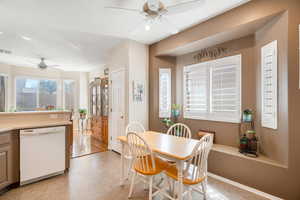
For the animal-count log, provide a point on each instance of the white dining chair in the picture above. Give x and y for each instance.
(144, 163)
(195, 169)
(136, 127)
(180, 130)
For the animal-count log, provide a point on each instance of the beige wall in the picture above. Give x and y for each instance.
(133, 58)
(282, 144)
(274, 142)
(138, 73)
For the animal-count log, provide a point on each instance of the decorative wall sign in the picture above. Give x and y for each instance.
(210, 53)
(138, 91)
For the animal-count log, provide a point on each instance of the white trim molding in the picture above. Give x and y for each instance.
(244, 187)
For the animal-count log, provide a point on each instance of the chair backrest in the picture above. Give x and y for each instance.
(180, 130)
(143, 158)
(196, 167)
(136, 127)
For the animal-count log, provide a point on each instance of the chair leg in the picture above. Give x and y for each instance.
(150, 187)
(190, 194)
(204, 188)
(129, 168)
(131, 185)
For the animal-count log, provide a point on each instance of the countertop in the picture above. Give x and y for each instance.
(34, 113)
(11, 127)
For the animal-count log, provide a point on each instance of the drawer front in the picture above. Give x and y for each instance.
(5, 138)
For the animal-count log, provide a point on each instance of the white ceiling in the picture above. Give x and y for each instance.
(77, 34)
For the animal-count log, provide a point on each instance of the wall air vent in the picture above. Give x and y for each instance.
(4, 51)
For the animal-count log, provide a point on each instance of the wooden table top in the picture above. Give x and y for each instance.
(168, 145)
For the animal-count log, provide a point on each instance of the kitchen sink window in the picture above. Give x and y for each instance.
(69, 94)
(3, 92)
(35, 94)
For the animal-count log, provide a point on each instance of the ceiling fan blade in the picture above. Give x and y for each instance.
(123, 9)
(183, 7)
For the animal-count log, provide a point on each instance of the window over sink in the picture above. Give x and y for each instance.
(69, 94)
(3, 93)
(35, 94)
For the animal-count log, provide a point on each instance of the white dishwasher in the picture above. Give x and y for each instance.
(42, 153)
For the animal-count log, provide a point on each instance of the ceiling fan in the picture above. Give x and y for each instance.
(155, 10)
(43, 66)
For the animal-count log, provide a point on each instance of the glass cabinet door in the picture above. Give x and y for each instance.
(94, 101)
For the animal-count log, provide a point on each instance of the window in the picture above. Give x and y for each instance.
(212, 90)
(69, 94)
(3, 90)
(34, 94)
(269, 85)
(164, 92)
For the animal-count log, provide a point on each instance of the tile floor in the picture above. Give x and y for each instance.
(96, 177)
(85, 144)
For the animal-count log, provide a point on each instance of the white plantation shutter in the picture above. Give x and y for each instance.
(212, 90)
(225, 88)
(164, 92)
(196, 90)
(269, 85)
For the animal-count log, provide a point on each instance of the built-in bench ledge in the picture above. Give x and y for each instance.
(233, 151)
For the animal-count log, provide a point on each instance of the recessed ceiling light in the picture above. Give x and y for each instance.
(147, 27)
(25, 38)
(175, 32)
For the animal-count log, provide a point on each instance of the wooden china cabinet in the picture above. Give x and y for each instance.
(99, 109)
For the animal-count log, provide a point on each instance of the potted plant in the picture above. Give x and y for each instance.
(82, 113)
(247, 115)
(175, 110)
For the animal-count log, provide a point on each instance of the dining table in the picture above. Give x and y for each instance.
(173, 148)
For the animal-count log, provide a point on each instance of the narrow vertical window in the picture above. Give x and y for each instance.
(164, 92)
(269, 85)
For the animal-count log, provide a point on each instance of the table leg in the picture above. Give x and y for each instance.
(180, 179)
(122, 164)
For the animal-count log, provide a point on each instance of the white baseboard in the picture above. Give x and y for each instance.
(244, 187)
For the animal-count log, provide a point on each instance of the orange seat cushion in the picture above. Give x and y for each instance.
(160, 166)
(172, 172)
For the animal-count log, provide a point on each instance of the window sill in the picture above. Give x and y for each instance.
(234, 121)
(234, 151)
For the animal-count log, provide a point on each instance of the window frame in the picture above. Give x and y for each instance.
(163, 113)
(209, 115)
(5, 91)
(58, 89)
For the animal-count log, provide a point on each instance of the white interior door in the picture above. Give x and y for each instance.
(117, 120)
